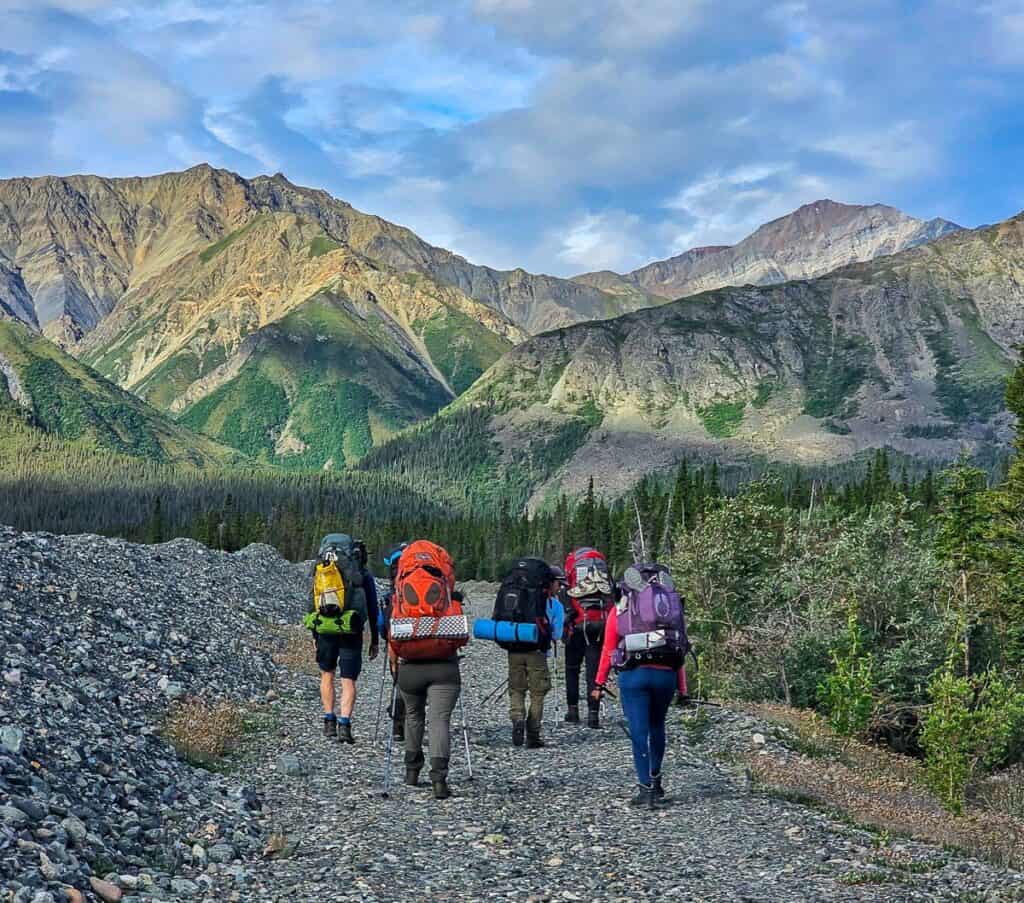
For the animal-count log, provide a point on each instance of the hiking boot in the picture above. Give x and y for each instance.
(518, 732)
(439, 778)
(345, 733)
(399, 734)
(331, 727)
(533, 740)
(594, 718)
(412, 777)
(659, 791)
(644, 797)
(572, 714)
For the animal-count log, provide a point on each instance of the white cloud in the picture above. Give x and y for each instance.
(611, 240)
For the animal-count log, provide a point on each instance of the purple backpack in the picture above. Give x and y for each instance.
(651, 619)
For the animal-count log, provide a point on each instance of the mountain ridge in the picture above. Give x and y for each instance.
(812, 240)
(909, 351)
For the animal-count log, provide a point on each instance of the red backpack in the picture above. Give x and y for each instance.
(589, 589)
(426, 621)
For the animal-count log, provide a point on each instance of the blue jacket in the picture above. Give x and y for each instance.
(556, 617)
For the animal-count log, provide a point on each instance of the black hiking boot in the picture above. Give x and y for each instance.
(518, 732)
(331, 727)
(412, 777)
(644, 797)
(572, 714)
(439, 778)
(659, 791)
(533, 738)
(345, 733)
(594, 718)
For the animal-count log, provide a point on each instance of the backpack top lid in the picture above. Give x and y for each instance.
(430, 557)
(344, 545)
(586, 571)
(638, 576)
(533, 572)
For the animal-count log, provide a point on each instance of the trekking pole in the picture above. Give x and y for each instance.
(465, 727)
(555, 709)
(494, 692)
(391, 741)
(380, 696)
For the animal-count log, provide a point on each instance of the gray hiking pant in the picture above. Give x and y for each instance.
(434, 686)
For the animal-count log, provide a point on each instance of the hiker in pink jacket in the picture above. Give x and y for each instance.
(645, 641)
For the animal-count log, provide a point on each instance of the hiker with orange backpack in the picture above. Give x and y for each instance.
(343, 603)
(590, 599)
(426, 629)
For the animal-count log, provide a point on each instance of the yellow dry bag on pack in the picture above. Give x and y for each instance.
(328, 590)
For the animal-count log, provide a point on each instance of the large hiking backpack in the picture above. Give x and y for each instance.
(427, 621)
(523, 599)
(339, 594)
(589, 591)
(651, 620)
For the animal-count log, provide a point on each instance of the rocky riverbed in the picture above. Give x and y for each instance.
(100, 637)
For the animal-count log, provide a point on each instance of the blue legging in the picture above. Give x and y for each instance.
(646, 694)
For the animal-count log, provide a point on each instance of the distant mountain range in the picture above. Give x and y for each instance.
(285, 324)
(813, 240)
(909, 351)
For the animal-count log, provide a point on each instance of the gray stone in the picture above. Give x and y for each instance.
(12, 816)
(290, 764)
(76, 829)
(11, 739)
(221, 852)
(184, 888)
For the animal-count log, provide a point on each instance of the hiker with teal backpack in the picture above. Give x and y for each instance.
(343, 604)
(645, 642)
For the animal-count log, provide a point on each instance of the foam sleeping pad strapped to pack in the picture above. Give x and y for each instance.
(505, 631)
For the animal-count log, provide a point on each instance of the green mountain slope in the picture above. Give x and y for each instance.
(320, 387)
(910, 351)
(46, 394)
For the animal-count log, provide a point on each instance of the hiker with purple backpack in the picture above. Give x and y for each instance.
(645, 642)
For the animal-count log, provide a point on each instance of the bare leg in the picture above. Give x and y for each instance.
(327, 691)
(348, 697)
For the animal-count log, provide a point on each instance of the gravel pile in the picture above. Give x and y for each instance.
(91, 796)
(97, 638)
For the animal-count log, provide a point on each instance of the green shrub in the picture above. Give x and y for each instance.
(722, 419)
(847, 693)
(970, 727)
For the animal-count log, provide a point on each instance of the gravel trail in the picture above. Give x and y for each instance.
(99, 638)
(554, 824)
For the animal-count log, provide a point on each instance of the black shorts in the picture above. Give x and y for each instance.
(333, 652)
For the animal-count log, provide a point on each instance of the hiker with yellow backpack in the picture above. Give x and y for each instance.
(343, 603)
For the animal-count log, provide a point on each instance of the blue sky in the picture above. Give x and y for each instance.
(556, 136)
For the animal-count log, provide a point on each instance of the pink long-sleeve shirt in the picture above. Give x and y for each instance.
(611, 640)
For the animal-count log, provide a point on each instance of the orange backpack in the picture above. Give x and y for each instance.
(426, 622)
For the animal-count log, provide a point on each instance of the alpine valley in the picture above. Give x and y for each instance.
(206, 318)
